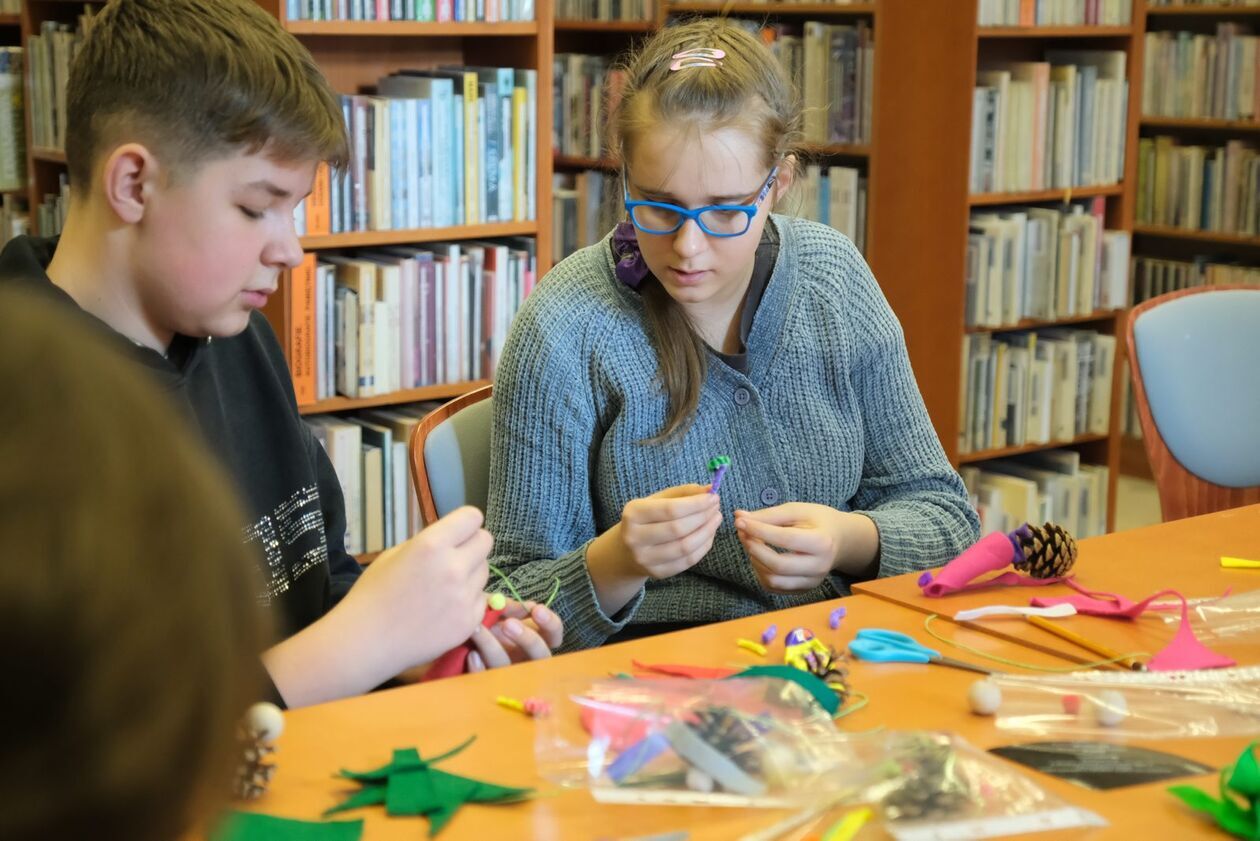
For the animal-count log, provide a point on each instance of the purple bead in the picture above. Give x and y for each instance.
(836, 616)
(768, 635)
(925, 579)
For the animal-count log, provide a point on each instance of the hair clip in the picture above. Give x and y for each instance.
(698, 57)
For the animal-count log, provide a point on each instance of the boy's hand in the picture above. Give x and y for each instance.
(426, 596)
(526, 631)
(816, 540)
(671, 530)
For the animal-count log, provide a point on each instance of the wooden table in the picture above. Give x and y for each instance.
(360, 733)
(1182, 555)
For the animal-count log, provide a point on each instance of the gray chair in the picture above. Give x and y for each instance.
(450, 455)
(1195, 361)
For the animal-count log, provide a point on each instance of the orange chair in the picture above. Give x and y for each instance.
(450, 455)
(1195, 360)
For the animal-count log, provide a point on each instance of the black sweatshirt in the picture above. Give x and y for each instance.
(239, 394)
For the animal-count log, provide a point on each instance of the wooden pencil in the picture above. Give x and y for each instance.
(1085, 643)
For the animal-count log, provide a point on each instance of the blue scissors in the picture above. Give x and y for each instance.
(880, 646)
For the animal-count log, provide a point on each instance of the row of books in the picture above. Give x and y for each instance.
(607, 10)
(1051, 486)
(434, 148)
(1055, 12)
(1057, 123)
(15, 219)
(12, 120)
(50, 54)
(370, 452)
(1224, 4)
(1201, 188)
(1153, 276)
(835, 196)
(1034, 387)
(440, 11)
(1043, 263)
(379, 321)
(833, 66)
(582, 87)
(585, 206)
(1186, 74)
(50, 214)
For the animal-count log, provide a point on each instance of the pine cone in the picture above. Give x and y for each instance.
(1049, 551)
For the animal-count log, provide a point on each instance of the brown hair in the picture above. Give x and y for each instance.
(196, 79)
(750, 90)
(127, 600)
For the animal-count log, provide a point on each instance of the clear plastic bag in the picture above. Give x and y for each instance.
(937, 786)
(1151, 705)
(1233, 617)
(737, 742)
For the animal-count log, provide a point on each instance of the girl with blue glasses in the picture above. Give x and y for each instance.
(706, 325)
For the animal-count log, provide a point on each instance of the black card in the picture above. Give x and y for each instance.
(1101, 765)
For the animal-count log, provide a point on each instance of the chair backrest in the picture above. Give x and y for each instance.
(1195, 360)
(450, 455)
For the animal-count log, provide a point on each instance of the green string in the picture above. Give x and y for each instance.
(516, 594)
(927, 626)
(862, 702)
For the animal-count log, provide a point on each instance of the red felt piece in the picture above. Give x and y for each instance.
(455, 661)
(676, 670)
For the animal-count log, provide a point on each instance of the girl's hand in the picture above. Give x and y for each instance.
(815, 541)
(671, 530)
(527, 631)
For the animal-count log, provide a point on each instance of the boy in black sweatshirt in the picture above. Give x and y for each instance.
(194, 129)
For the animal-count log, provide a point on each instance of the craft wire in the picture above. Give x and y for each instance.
(927, 626)
(863, 700)
(516, 594)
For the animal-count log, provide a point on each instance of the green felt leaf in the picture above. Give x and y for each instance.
(1195, 798)
(439, 819)
(413, 793)
(248, 826)
(405, 759)
(823, 694)
(492, 793)
(1229, 815)
(371, 795)
(1245, 778)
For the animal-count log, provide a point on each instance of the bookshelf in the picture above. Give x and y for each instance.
(354, 55)
(1168, 241)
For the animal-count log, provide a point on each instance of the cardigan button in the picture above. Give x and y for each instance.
(769, 496)
(742, 396)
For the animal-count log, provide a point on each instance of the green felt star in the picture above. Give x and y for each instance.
(247, 826)
(409, 786)
(1239, 784)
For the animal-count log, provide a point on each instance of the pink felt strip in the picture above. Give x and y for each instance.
(989, 554)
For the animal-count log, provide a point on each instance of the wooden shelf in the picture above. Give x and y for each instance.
(10, 20)
(1202, 11)
(56, 156)
(1206, 237)
(852, 150)
(985, 455)
(1036, 323)
(774, 9)
(395, 28)
(1133, 459)
(605, 26)
(579, 162)
(1054, 31)
(444, 391)
(1201, 123)
(982, 199)
(360, 239)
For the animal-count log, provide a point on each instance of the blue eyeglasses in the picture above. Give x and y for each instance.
(716, 220)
